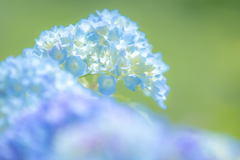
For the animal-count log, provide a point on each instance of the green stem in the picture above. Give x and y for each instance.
(94, 83)
(84, 82)
(85, 75)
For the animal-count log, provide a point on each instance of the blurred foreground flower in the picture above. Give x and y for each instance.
(26, 82)
(72, 127)
(109, 45)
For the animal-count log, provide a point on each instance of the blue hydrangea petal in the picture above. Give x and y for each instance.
(81, 53)
(112, 48)
(14, 87)
(114, 34)
(40, 51)
(157, 61)
(162, 104)
(160, 91)
(129, 38)
(28, 52)
(92, 17)
(57, 53)
(80, 33)
(100, 27)
(66, 38)
(94, 37)
(107, 85)
(131, 81)
(159, 87)
(75, 65)
(118, 69)
(145, 82)
(160, 100)
(124, 62)
(37, 86)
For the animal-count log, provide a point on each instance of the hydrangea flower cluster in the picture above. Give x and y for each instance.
(73, 127)
(70, 126)
(109, 45)
(25, 82)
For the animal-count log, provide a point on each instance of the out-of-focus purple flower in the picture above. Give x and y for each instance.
(26, 82)
(72, 127)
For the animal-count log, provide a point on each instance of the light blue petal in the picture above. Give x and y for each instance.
(144, 52)
(124, 62)
(101, 27)
(118, 69)
(142, 85)
(129, 38)
(162, 104)
(164, 67)
(167, 90)
(159, 88)
(37, 87)
(94, 37)
(94, 18)
(160, 100)
(40, 51)
(28, 52)
(107, 85)
(131, 81)
(54, 28)
(80, 33)
(84, 25)
(122, 53)
(160, 91)
(44, 34)
(132, 49)
(114, 34)
(75, 65)
(158, 61)
(145, 82)
(57, 53)
(112, 47)
(66, 38)
(14, 87)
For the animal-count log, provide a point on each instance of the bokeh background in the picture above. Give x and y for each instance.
(199, 39)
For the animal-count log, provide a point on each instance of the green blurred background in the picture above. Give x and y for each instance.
(200, 40)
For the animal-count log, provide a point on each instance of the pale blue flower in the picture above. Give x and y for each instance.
(131, 81)
(108, 43)
(107, 84)
(75, 65)
(57, 53)
(66, 38)
(160, 90)
(114, 34)
(93, 37)
(25, 82)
